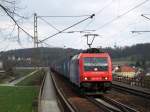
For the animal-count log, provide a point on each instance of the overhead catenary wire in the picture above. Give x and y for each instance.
(63, 16)
(123, 14)
(97, 13)
(91, 16)
(140, 31)
(145, 16)
(144, 31)
(103, 8)
(49, 24)
(47, 44)
(88, 24)
(79, 31)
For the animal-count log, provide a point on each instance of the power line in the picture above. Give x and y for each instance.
(118, 17)
(49, 24)
(81, 31)
(144, 30)
(140, 31)
(63, 16)
(91, 16)
(47, 44)
(145, 16)
(90, 22)
(98, 12)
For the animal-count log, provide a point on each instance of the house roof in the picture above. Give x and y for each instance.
(126, 68)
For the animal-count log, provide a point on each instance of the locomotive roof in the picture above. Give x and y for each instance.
(93, 55)
(93, 50)
(90, 55)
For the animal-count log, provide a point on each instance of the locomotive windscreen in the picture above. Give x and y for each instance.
(95, 64)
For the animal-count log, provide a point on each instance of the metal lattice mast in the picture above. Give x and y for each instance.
(35, 31)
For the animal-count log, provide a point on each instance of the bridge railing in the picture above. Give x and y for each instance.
(40, 93)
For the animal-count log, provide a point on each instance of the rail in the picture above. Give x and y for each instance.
(132, 91)
(67, 107)
(119, 105)
(110, 105)
(102, 105)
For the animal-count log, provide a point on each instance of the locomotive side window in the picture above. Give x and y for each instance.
(95, 64)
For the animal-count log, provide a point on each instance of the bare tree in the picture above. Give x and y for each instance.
(9, 5)
(11, 9)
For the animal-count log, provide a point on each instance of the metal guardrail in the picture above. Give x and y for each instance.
(40, 94)
(61, 97)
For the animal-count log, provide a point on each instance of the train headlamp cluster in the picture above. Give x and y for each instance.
(97, 78)
(106, 78)
(85, 78)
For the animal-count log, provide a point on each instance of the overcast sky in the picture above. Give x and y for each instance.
(117, 32)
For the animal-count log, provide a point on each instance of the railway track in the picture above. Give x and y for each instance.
(70, 106)
(64, 103)
(112, 105)
(71, 101)
(102, 104)
(132, 91)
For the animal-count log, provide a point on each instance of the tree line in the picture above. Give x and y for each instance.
(46, 56)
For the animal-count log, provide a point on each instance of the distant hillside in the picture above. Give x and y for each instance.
(135, 52)
(39, 56)
(48, 56)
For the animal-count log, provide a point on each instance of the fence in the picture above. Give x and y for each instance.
(144, 82)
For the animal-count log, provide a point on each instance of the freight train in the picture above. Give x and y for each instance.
(91, 71)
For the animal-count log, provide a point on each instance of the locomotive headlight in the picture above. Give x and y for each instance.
(85, 78)
(106, 78)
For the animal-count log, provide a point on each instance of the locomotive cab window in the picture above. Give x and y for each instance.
(95, 64)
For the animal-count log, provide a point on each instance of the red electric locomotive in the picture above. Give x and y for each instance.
(91, 72)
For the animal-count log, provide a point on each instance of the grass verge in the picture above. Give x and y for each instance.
(34, 79)
(22, 72)
(17, 99)
(17, 73)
